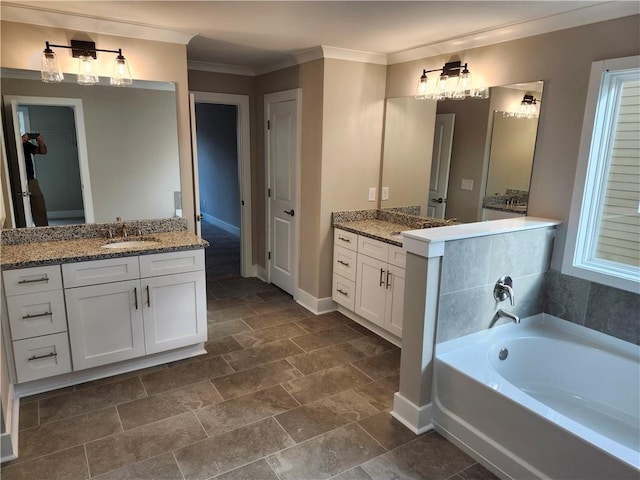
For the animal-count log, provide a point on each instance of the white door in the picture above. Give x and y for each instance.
(441, 160)
(194, 164)
(174, 310)
(283, 157)
(105, 323)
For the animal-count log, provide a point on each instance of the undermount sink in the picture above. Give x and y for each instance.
(133, 243)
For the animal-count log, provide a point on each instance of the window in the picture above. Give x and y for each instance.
(603, 238)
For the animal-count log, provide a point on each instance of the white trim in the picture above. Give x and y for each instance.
(354, 55)
(50, 17)
(261, 273)
(294, 94)
(220, 68)
(417, 419)
(81, 140)
(9, 439)
(8, 210)
(227, 227)
(582, 191)
(244, 167)
(317, 306)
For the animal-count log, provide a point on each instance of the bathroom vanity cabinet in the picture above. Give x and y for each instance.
(368, 280)
(116, 309)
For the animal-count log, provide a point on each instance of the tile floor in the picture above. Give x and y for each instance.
(281, 395)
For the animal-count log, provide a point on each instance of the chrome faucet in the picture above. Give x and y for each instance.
(504, 290)
(504, 314)
(123, 228)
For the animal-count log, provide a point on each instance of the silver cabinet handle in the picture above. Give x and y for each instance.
(40, 357)
(36, 280)
(381, 275)
(135, 296)
(348, 240)
(46, 314)
(389, 275)
(346, 264)
(148, 297)
(346, 294)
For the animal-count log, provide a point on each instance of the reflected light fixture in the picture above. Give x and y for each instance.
(454, 82)
(529, 107)
(86, 53)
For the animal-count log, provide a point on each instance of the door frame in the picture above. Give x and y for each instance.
(295, 95)
(81, 138)
(247, 268)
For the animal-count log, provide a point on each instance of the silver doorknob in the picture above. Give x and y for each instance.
(290, 212)
(437, 200)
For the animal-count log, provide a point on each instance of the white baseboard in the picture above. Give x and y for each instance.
(417, 419)
(317, 306)
(9, 439)
(261, 273)
(227, 227)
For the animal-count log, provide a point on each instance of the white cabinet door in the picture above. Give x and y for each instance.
(370, 289)
(105, 323)
(175, 311)
(395, 300)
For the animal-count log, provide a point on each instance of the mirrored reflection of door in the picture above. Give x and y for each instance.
(62, 173)
(441, 160)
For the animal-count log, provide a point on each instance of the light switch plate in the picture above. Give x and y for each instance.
(385, 193)
(372, 194)
(467, 184)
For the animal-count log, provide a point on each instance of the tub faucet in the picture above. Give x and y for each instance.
(504, 314)
(504, 289)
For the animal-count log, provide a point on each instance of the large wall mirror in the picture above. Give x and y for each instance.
(111, 152)
(460, 158)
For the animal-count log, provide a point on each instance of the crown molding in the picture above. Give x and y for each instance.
(354, 55)
(220, 68)
(49, 17)
(583, 16)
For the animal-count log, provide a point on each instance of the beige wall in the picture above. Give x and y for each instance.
(22, 46)
(563, 60)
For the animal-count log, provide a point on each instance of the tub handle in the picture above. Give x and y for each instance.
(504, 290)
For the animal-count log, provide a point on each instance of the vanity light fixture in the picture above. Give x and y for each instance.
(454, 82)
(86, 52)
(529, 107)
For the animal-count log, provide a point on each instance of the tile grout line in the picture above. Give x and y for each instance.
(175, 459)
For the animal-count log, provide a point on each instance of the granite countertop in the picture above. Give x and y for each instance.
(382, 230)
(78, 250)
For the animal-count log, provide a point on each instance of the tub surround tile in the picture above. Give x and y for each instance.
(256, 378)
(232, 449)
(327, 455)
(70, 464)
(523, 253)
(325, 383)
(185, 374)
(466, 264)
(315, 418)
(567, 297)
(240, 411)
(614, 312)
(165, 405)
(162, 467)
(429, 457)
(132, 446)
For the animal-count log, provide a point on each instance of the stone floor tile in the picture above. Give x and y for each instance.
(259, 355)
(325, 456)
(388, 431)
(278, 305)
(372, 345)
(29, 415)
(90, 399)
(163, 467)
(324, 415)
(225, 329)
(41, 396)
(271, 319)
(258, 470)
(354, 474)
(380, 393)
(255, 338)
(135, 445)
(430, 457)
(232, 449)
(322, 322)
(70, 464)
(256, 378)
(233, 313)
(67, 433)
(477, 472)
(185, 374)
(380, 366)
(325, 383)
(326, 358)
(122, 376)
(165, 405)
(326, 338)
(240, 411)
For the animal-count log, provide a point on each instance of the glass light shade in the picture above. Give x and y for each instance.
(121, 76)
(87, 74)
(421, 91)
(441, 87)
(51, 71)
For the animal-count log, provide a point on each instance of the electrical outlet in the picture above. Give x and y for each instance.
(385, 193)
(467, 184)
(372, 194)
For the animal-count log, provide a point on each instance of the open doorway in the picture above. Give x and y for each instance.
(221, 162)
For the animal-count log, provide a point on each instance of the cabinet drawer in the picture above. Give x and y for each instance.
(345, 239)
(31, 280)
(94, 272)
(41, 357)
(173, 262)
(344, 292)
(397, 256)
(344, 262)
(36, 314)
(373, 248)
